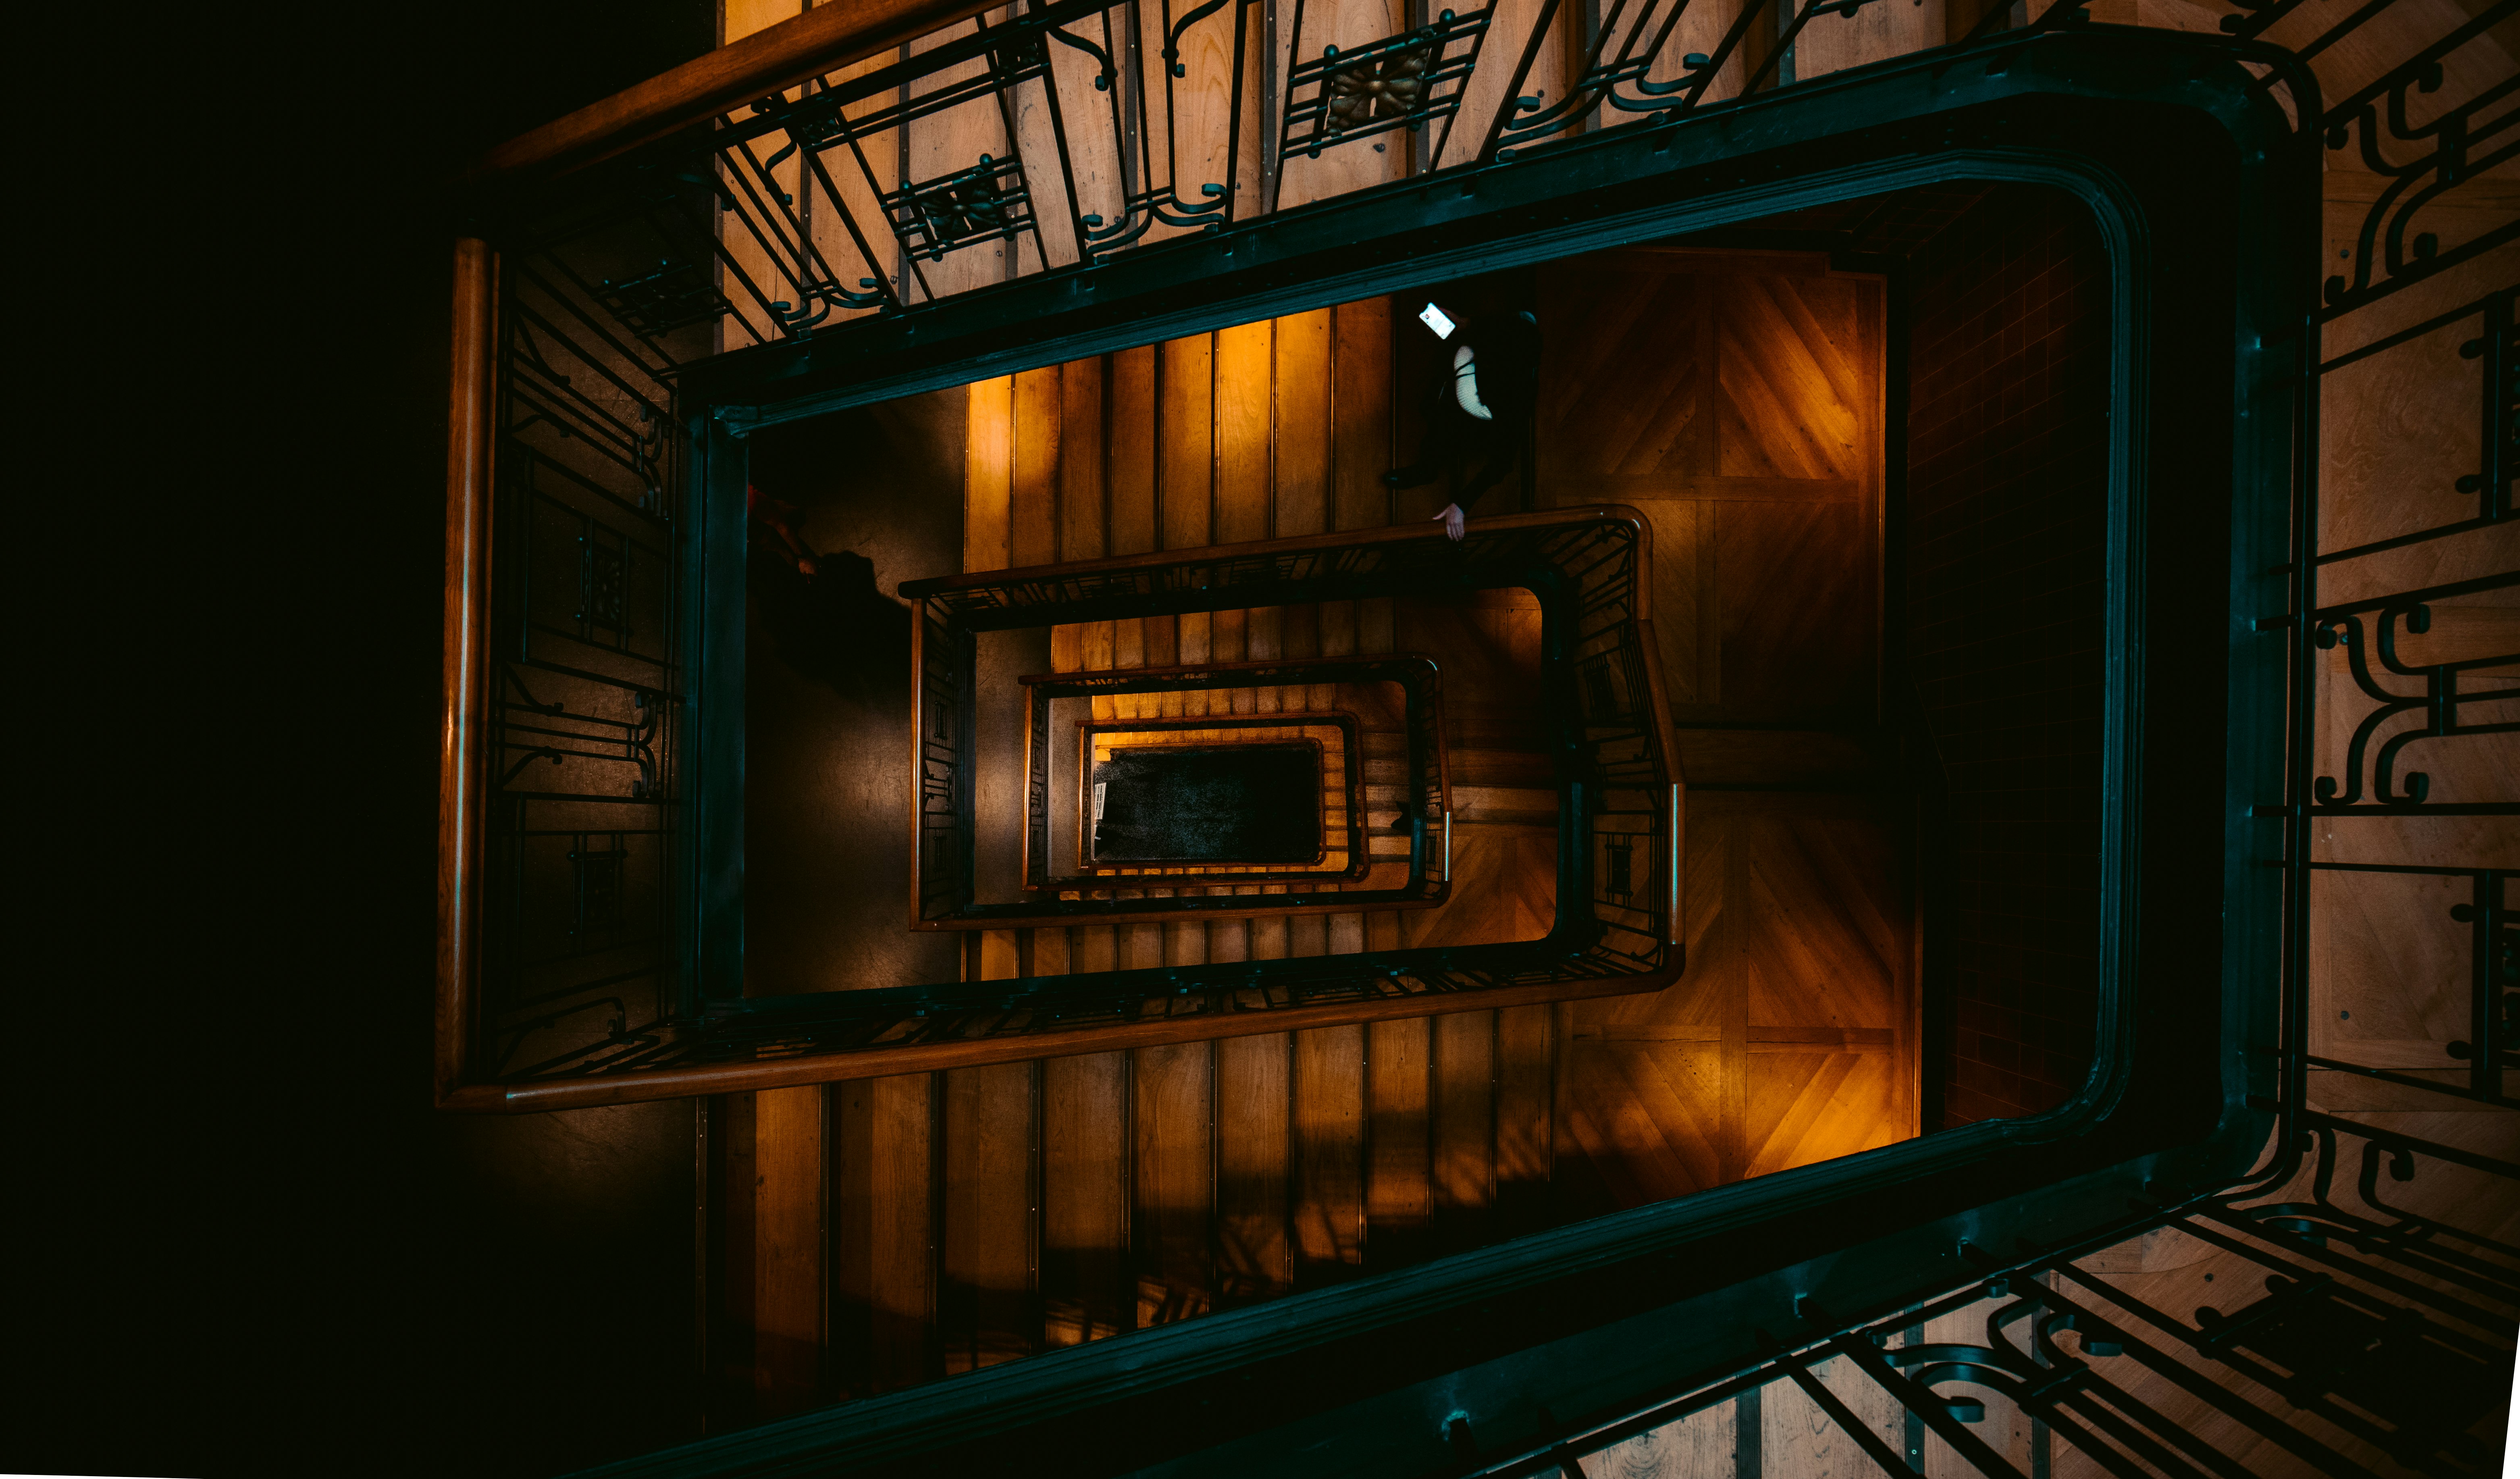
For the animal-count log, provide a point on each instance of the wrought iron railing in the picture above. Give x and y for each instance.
(1059, 134)
(2347, 1335)
(2434, 122)
(2365, 1336)
(2409, 1293)
(1616, 926)
(581, 936)
(745, 231)
(1599, 677)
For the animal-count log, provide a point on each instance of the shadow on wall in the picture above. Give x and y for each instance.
(2008, 531)
(849, 506)
(528, 1217)
(828, 621)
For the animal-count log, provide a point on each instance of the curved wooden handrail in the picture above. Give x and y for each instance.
(823, 39)
(1417, 531)
(472, 433)
(887, 1060)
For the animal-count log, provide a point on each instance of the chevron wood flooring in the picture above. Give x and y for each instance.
(1736, 398)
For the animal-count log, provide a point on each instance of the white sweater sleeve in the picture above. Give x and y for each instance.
(1466, 384)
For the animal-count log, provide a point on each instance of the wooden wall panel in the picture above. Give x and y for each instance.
(1084, 503)
(1463, 1129)
(1328, 1069)
(1155, 147)
(1088, 1291)
(1526, 1072)
(1641, 328)
(1244, 376)
(1796, 633)
(1086, 1288)
(1700, 1445)
(1203, 99)
(1822, 923)
(1253, 1076)
(883, 1253)
(985, 1302)
(734, 1246)
(1186, 446)
(849, 261)
(1809, 1106)
(1504, 886)
(1798, 1439)
(1172, 1183)
(1131, 451)
(746, 257)
(788, 1301)
(1647, 1111)
(1301, 471)
(825, 226)
(1400, 1191)
(1255, 1111)
(1791, 378)
(1361, 449)
(1037, 419)
(988, 474)
(1486, 92)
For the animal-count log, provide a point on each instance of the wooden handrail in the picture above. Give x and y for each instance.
(1335, 539)
(886, 1061)
(823, 39)
(471, 436)
(470, 463)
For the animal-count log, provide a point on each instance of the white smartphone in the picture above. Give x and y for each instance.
(1436, 319)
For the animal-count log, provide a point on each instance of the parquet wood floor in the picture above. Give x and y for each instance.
(1736, 398)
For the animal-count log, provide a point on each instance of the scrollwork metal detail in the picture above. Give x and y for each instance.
(2438, 704)
(987, 201)
(1403, 81)
(2457, 145)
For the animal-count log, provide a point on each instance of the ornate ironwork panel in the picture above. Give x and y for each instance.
(985, 203)
(581, 909)
(1404, 81)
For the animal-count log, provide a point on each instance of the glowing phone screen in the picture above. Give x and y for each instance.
(1435, 318)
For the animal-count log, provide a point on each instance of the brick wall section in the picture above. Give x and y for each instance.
(2007, 486)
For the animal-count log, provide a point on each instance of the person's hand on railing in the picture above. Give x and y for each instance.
(1454, 520)
(777, 517)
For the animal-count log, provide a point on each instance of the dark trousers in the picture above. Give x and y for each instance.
(1455, 439)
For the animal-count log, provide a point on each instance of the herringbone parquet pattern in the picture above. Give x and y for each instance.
(1736, 399)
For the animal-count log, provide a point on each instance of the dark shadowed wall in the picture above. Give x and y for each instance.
(258, 1251)
(827, 694)
(2007, 488)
